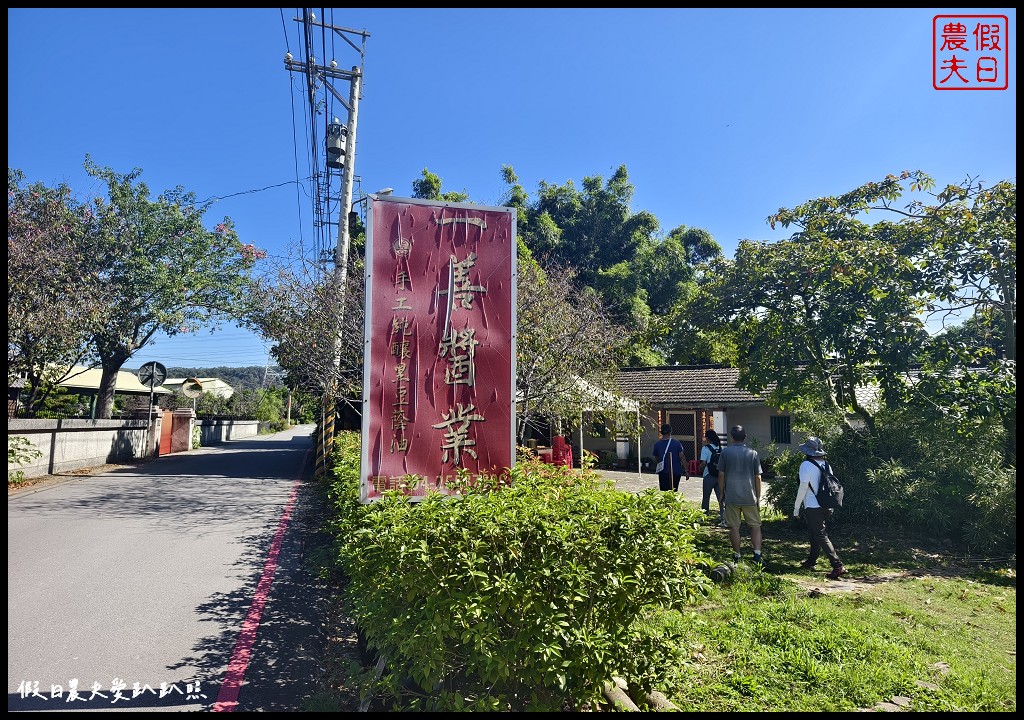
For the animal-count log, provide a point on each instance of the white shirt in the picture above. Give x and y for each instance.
(705, 456)
(810, 479)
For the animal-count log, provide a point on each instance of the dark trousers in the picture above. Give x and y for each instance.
(667, 481)
(711, 486)
(817, 520)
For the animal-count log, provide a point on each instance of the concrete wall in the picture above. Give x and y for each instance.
(72, 444)
(757, 422)
(214, 432)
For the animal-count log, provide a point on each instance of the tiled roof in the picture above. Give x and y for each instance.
(686, 386)
(83, 378)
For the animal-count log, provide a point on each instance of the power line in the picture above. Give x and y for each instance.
(247, 192)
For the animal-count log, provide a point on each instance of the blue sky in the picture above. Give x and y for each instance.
(721, 117)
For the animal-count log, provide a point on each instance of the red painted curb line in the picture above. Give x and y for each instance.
(227, 698)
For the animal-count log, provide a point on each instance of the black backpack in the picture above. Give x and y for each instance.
(713, 462)
(830, 490)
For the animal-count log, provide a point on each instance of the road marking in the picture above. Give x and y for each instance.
(227, 698)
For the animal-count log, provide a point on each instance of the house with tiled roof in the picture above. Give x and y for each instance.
(693, 398)
(216, 386)
(85, 382)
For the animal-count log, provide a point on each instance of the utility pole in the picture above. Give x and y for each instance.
(344, 231)
(341, 151)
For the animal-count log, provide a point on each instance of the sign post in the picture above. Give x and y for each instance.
(152, 374)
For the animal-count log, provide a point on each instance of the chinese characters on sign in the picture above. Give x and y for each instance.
(439, 362)
(117, 692)
(970, 52)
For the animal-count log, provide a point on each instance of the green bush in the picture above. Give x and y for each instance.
(919, 475)
(20, 450)
(514, 596)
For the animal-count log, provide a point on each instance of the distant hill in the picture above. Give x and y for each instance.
(240, 378)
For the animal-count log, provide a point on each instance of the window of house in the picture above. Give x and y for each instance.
(780, 429)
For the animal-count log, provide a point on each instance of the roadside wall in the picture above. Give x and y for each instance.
(214, 432)
(73, 444)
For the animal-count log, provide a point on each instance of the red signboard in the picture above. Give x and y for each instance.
(439, 362)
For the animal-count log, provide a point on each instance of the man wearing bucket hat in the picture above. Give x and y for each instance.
(816, 516)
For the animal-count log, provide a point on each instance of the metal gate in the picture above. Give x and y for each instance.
(684, 429)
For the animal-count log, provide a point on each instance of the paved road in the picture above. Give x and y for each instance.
(186, 578)
(188, 572)
(691, 488)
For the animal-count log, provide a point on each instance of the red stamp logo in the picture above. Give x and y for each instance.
(970, 52)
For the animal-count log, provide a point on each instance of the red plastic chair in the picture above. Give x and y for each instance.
(694, 468)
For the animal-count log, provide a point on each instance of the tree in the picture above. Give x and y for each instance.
(597, 229)
(842, 304)
(834, 309)
(968, 255)
(428, 187)
(670, 274)
(563, 337)
(297, 305)
(644, 281)
(161, 269)
(52, 306)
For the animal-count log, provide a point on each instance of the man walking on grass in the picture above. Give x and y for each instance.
(739, 484)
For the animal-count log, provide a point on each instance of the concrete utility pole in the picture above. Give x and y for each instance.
(326, 73)
(344, 232)
(341, 152)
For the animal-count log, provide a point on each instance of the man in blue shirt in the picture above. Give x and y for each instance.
(671, 452)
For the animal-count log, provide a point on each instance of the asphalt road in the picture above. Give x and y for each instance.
(182, 584)
(632, 481)
(168, 586)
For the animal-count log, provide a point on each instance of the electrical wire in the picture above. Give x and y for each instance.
(256, 190)
(284, 27)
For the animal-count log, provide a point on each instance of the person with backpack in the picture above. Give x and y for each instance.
(812, 470)
(709, 455)
(671, 458)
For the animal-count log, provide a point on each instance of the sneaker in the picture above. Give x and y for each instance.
(736, 557)
(758, 560)
(808, 565)
(837, 572)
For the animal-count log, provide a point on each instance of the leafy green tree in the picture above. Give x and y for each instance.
(161, 269)
(52, 305)
(670, 274)
(566, 345)
(645, 282)
(428, 187)
(270, 405)
(597, 228)
(304, 407)
(835, 308)
(968, 254)
(842, 304)
(210, 404)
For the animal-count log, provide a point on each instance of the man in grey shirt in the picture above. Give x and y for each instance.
(739, 483)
